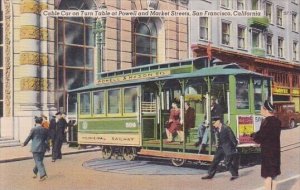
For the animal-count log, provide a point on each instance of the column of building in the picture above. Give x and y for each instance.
(31, 67)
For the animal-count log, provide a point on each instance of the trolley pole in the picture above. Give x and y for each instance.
(99, 34)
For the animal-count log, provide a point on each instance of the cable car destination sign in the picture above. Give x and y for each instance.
(133, 76)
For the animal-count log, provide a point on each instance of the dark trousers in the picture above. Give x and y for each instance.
(39, 165)
(231, 163)
(56, 148)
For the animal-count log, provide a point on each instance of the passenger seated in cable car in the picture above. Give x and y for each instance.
(189, 118)
(173, 124)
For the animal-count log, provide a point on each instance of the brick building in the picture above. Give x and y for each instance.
(43, 57)
(269, 45)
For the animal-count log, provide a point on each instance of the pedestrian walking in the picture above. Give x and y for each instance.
(268, 137)
(58, 136)
(226, 149)
(39, 137)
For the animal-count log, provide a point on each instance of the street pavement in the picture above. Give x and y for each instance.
(18, 153)
(70, 173)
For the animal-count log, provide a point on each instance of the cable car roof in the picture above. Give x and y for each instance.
(217, 70)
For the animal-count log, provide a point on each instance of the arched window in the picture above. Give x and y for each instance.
(75, 51)
(145, 41)
(1, 60)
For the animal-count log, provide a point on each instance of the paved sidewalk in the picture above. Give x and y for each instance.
(17, 153)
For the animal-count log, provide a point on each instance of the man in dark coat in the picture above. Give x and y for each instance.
(52, 134)
(39, 137)
(227, 148)
(268, 137)
(189, 118)
(60, 129)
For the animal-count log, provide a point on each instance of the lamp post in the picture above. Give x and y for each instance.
(99, 34)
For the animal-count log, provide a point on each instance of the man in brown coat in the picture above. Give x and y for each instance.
(268, 137)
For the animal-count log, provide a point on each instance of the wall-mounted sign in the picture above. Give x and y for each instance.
(133, 77)
(296, 92)
(281, 90)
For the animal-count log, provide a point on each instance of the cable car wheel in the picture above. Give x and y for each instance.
(106, 152)
(129, 153)
(177, 161)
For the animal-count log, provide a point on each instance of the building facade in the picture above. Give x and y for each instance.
(269, 45)
(44, 57)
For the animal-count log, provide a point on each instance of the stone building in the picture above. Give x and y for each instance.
(269, 45)
(43, 57)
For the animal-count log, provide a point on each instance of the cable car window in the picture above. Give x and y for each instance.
(130, 98)
(114, 101)
(257, 94)
(85, 103)
(99, 105)
(72, 99)
(242, 93)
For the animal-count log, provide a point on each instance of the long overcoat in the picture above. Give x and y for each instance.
(189, 118)
(269, 139)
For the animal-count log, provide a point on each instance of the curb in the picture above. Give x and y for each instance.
(47, 155)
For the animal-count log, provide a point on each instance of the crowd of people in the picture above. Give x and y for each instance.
(46, 134)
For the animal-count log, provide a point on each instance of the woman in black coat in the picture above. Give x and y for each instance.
(269, 139)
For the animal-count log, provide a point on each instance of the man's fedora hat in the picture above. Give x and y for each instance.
(58, 113)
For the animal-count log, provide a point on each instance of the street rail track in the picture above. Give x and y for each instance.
(290, 147)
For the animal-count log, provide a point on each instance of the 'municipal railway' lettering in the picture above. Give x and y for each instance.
(122, 138)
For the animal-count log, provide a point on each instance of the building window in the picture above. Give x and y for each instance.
(255, 4)
(269, 11)
(226, 3)
(295, 51)
(279, 16)
(203, 28)
(256, 36)
(280, 47)
(241, 37)
(226, 33)
(269, 44)
(145, 36)
(294, 22)
(1, 61)
(74, 50)
(240, 4)
(279, 78)
(296, 81)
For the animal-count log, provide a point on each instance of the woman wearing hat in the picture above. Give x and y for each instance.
(268, 137)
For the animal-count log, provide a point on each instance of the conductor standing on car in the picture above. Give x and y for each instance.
(227, 148)
(60, 128)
